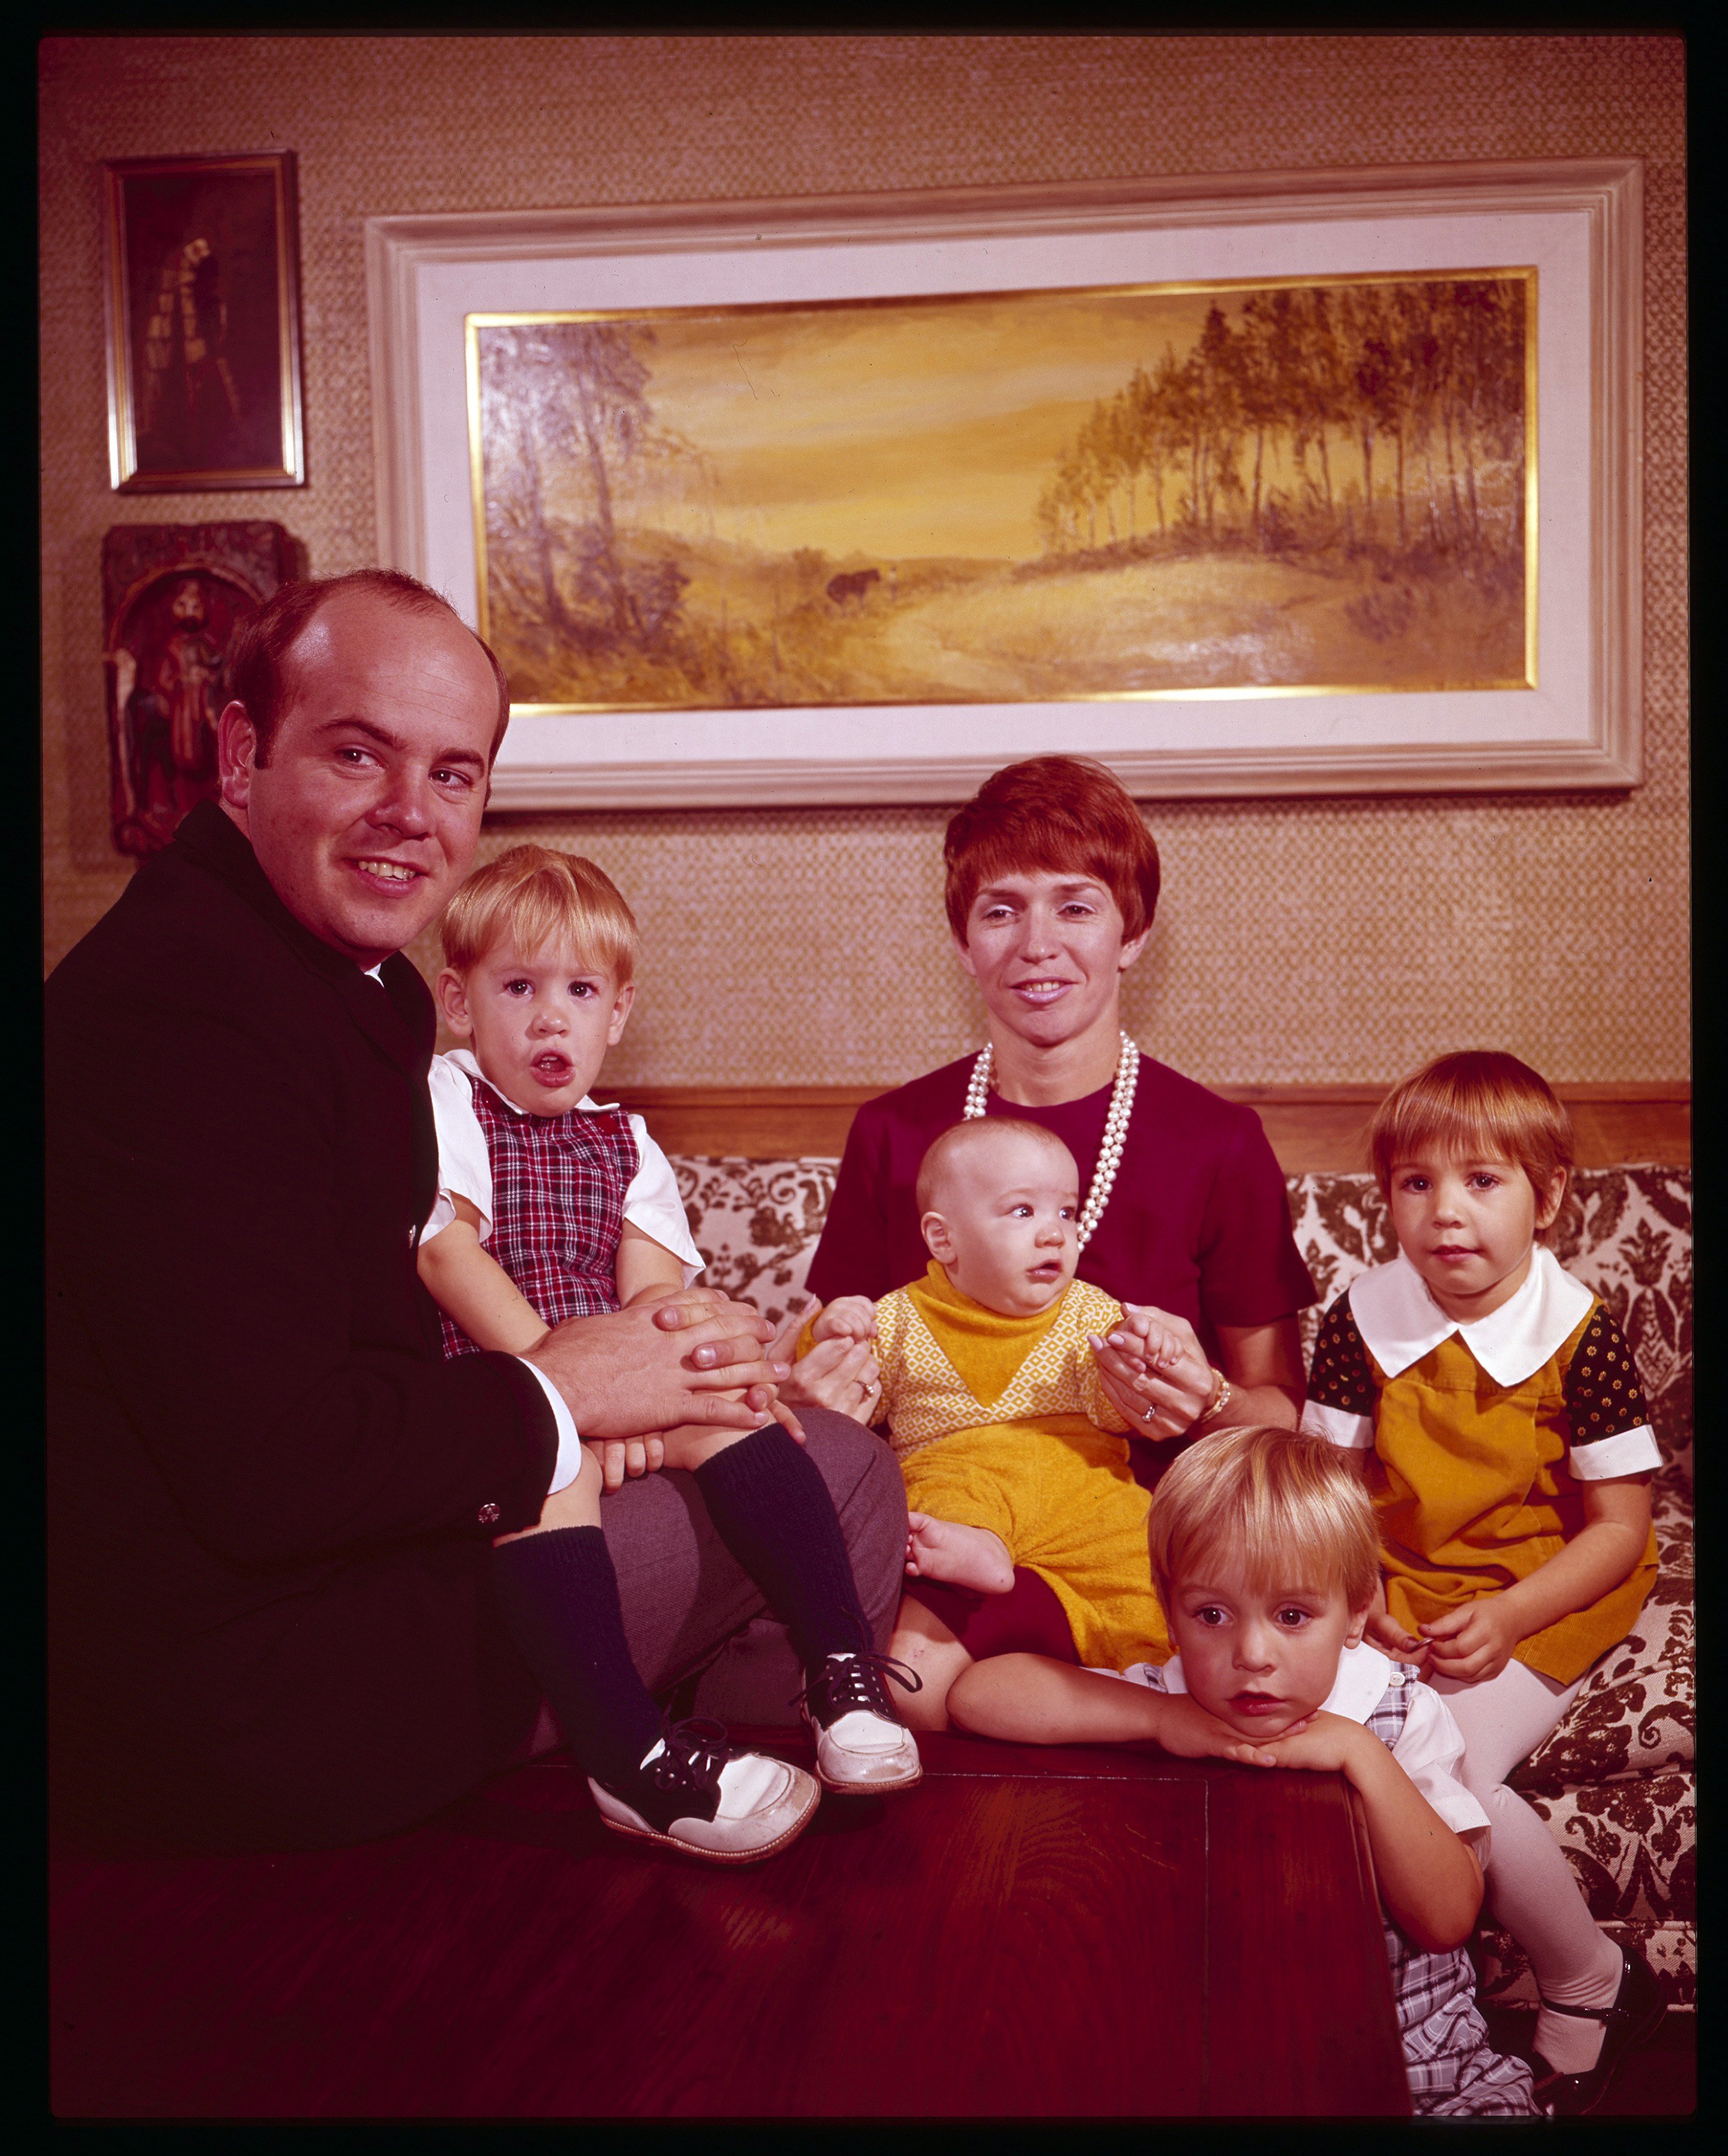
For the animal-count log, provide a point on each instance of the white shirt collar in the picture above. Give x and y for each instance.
(464, 1060)
(1363, 1675)
(1400, 1321)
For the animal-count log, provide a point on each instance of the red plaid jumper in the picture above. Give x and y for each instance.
(558, 1189)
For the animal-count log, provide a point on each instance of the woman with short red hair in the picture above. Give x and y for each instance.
(1052, 882)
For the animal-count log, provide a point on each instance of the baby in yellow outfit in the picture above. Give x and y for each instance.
(1011, 1451)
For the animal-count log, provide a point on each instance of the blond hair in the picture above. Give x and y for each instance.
(1479, 1102)
(1288, 1510)
(531, 894)
(943, 1150)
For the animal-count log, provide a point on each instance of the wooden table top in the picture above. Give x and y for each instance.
(1070, 1932)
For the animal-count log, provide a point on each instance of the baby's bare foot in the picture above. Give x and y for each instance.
(960, 1556)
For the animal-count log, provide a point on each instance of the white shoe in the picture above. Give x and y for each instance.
(861, 1743)
(695, 1792)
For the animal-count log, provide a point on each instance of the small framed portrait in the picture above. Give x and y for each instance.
(203, 324)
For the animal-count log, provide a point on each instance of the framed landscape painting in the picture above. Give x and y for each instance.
(1324, 482)
(203, 324)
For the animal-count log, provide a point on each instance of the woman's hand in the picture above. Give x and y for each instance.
(839, 1373)
(1154, 1370)
(1475, 1642)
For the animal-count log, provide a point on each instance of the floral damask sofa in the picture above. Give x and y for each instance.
(1615, 1780)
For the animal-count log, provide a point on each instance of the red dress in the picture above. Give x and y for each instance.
(1199, 1223)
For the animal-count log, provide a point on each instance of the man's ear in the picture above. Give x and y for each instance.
(620, 1012)
(451, 993)
(937, 1240)
(236, 757)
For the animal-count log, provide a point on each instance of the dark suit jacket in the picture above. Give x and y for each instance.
(270, 1498)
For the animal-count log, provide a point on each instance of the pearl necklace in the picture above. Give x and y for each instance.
(1115, 1127)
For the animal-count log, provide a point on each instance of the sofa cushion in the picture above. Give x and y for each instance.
(757, 1224)
(1634, 1716)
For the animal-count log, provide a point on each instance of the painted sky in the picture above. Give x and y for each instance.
(885, 430)
(901, 429)
(898, 430)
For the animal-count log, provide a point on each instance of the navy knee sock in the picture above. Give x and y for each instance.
(560, 1598)
(771, 1509)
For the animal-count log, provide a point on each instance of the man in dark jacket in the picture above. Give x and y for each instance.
(271, 1501)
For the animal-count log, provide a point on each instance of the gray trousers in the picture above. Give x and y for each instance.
(691, 1612)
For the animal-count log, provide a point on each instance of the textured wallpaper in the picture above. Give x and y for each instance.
(1299, 941)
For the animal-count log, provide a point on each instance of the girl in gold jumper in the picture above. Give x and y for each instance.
(1498, 1409)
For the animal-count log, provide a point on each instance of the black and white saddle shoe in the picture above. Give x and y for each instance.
(861, 1746)
(698, 1793)
(1634, 2019)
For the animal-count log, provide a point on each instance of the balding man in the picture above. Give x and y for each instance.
(272, 1503)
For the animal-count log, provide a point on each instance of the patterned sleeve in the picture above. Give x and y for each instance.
(1092, 1311)
(1605, 1404)
(1340, 1385)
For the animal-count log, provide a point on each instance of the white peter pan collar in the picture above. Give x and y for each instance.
(1400, 1321)
(1363, 1675)
(464, 1060)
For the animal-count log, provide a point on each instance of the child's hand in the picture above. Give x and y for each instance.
(846, 1317)
(1188, 1732)
(1129, 1349)
(620, 1456)
(1322, 1744)
(1474, 1643)
(1386, 1634)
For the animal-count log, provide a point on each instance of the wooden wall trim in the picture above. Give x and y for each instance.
(1312, 1128)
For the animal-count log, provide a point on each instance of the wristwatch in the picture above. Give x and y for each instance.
(1221, 1399)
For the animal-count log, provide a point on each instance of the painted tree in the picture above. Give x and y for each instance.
(566, 402)
(1401, 371)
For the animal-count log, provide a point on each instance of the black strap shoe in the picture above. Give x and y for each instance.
(1635, 2016)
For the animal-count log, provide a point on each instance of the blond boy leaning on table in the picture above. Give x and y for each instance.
(1266, 1553)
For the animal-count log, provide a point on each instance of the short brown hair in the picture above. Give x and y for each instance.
(1270, 1502)
(943, 1148)
(259, 669)
(1477, 1101)
(530, 894)
(1056, 813)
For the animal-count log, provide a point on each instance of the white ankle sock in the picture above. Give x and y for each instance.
(1570, 2043)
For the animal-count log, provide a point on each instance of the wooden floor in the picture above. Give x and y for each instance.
(1076, 1933)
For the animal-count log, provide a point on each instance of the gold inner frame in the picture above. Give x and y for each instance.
(1526, 275)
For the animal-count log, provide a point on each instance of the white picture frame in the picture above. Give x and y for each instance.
(1578, 223)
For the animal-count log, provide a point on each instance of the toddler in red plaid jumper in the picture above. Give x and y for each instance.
(550, 1206)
